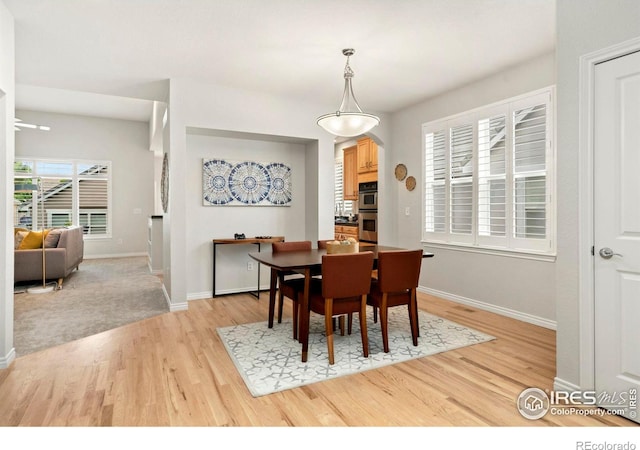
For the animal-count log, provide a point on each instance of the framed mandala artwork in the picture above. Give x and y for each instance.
(245, 183)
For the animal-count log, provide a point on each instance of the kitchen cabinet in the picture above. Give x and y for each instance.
(367, 160)
(350, 173)
(367, 155)
(344, 232)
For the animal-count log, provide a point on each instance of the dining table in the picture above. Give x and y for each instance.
(307, 263)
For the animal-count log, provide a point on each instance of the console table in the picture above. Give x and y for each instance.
(254, 240)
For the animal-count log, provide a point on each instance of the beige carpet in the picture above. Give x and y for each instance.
(102, 295)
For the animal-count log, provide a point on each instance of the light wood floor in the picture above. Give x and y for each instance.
(173, 370)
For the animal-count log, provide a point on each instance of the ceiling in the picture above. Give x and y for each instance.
(112, 57)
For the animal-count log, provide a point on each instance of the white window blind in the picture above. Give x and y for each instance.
(461, 179)
(435, 173)
(492, 172)
(342, 206)
(489, 177)
(529, 161)
(68, 193)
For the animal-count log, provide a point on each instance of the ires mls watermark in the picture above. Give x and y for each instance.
(534, 403)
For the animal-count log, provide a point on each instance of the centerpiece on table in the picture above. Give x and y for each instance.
(349, 245)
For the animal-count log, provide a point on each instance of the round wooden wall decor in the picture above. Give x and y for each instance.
(411, 183)
(401, 172)
(164, 183)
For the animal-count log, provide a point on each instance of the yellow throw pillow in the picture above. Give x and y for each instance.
(31, 241)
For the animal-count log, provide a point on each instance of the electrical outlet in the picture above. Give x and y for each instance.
(407, 211)
(250, 265)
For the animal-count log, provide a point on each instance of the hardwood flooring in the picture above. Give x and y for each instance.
(173, 370)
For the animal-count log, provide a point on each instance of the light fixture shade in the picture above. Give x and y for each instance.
(349, 120)
(348, 124)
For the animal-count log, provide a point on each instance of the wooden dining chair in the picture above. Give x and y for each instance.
(322, 244)
(343, 289)
(398, 277)
(290, 284)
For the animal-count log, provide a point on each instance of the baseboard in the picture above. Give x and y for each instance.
(6, 361)
(198, 295)
(524, 317)
(564, 386)
(115, 255)
(207, 294)
(174, 306)
(535, 320)
(166, 296)
(178, 307)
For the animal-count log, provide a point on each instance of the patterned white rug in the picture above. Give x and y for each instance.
(269, 360)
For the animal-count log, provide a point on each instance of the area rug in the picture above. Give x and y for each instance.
(269, 360)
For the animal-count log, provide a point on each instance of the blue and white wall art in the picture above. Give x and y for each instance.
(245, 183)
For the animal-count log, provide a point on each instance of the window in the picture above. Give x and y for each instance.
(489, 177)
(342, 207)
(62, 193)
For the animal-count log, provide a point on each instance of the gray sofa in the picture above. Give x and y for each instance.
(60, 260)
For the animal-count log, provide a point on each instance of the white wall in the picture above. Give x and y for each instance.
(7, 102)
(124, 143)
(583, 27)
(217, 108)
(522, 288)
(205, 223)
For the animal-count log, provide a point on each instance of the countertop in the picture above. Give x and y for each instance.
(345, 223)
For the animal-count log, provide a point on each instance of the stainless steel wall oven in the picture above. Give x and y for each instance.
(368, 226)
(368, 196)
(368, 212)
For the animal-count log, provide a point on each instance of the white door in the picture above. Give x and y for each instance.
(617, 233)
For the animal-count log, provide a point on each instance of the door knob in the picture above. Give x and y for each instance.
(607, 253)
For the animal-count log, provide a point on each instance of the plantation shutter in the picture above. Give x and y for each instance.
(461, 179)
(492, 172)
(529, 172)
(435, 175)
(342, 206)
(338, 188)
(489, 177)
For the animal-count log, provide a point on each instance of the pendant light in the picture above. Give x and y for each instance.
(349, 120)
